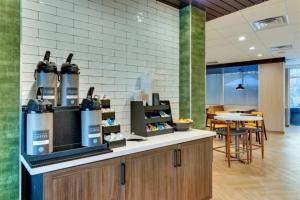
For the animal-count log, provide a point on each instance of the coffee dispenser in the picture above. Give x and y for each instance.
(91, 120)
(46, 76)
(69, 85)
(39, 125)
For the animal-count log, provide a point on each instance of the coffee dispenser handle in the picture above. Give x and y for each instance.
(69, 59)
(58, 76)
(35, 71)
(47, 56)
(39, 93)
(90, 93)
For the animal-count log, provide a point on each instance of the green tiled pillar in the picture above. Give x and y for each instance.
(9, 98)
(192, 65)
(185, 63)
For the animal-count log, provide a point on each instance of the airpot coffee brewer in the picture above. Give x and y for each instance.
(69, 83)
(46, 76)
(91, 120)
(39, 118)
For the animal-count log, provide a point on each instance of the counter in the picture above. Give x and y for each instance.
(131, 148)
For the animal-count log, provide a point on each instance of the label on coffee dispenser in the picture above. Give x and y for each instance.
(40, 142)
(49, 94)
(72, 96)
(94, 134)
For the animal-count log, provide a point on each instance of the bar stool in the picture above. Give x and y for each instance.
(258, 128)
(240, 136)
(257, 125)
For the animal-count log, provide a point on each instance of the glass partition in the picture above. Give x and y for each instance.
(248, 96)
(222, 84)
(214, 84)
(294, 87)
(294, 96)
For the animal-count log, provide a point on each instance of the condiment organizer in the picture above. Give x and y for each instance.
(145, 116)
(107, 130)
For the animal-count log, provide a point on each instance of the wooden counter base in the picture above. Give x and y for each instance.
(176, 172)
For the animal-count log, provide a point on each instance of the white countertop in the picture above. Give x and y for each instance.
(130, 148)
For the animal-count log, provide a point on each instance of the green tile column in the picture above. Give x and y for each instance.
(9, 98)
(192, 65)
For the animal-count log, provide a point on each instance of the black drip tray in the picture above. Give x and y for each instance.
(67, 155)
(136, 140)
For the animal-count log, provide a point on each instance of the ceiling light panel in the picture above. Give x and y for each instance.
(242, 38)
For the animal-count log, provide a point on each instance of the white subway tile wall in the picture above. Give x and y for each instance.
(114, 42)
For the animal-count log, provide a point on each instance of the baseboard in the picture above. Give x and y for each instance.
(277, 132)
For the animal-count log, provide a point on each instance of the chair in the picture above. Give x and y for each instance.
(257, 128)
(240, 136)
(209, 118)
(211, 112)
(261, 124)
(214, 109)
(257, 125)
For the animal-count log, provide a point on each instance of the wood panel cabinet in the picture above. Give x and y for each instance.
(176, 172)
(97, 181)
(151, 175)
(194, 176)
(179, 172)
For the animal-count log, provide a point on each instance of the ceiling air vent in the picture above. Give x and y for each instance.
(282, 47)
(270, 23)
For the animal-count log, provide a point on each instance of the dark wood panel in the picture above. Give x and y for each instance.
(212, 12)
(235, 4)
(224, 5)
(151, 175)
(245, 63)
(194, 176)
(174, 3)
(210, 16)
(246, 3)
(214, 8)
(257, 1)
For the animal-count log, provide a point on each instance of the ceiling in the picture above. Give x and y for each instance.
(222, 34)
(215, 8)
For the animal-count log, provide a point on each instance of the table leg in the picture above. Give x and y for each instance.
(250, 141)
(262, 145)
(237, 146)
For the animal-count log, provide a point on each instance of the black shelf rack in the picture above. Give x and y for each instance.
(139, 121)
(106, 130)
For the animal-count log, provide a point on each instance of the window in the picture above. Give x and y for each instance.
(214, 89)
(294, 87)
(249, 96)
(221, 86)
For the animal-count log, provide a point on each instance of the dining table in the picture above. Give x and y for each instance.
(238, 118)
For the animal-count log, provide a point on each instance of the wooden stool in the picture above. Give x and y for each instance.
(261, 144)
(239, 136)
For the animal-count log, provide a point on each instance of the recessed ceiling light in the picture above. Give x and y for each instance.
(242, 38)
(259, 55)
(252, 48)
